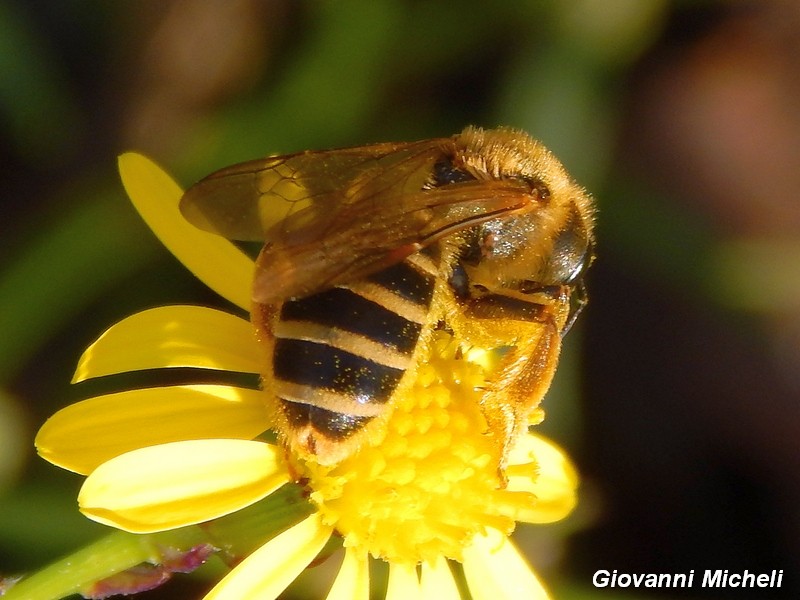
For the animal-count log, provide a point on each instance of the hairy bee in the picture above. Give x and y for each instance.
(367, 250)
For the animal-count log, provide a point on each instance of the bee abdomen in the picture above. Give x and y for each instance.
(340, 354)
(320, 367)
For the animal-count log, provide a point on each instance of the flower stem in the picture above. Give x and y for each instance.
(126, 563)
(79, 572)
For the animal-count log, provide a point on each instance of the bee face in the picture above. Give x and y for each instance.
(368, 249)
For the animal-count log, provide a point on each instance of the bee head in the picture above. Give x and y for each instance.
(520, 256)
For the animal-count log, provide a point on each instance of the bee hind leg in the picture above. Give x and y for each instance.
(523, 380)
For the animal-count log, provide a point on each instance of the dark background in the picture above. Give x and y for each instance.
(678, 394)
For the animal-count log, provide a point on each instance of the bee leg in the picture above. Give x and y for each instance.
(531, 334)
(523, 379)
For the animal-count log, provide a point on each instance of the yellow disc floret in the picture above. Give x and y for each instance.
(431, 478)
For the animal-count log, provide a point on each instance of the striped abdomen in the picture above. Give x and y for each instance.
(340, 354)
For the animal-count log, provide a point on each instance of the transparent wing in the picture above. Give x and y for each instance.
(333, 216)
(294, 198)
(361, 247)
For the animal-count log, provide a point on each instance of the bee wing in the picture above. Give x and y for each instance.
(294, 198)
(334, 216)
(368, 243)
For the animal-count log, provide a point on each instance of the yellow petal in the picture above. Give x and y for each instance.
(173, 336)
(215, 261)
(84, 435)
(555, 486)
(182, 483)
(495, 570)
(403, 582)
(352, 582)
(437, 582)
(270, 569)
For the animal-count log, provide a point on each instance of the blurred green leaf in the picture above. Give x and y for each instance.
(40, 113)
(325, 93)
(563, 85)
(757, 274)
(38, 521)
(83, 249)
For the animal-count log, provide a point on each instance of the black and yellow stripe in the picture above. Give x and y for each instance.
(340, 354)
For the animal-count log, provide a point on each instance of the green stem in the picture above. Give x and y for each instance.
(99, 560)
(236, 535)
(239, 533)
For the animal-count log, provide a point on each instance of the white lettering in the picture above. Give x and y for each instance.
(719, 578)
(715, 580)
(676, 580)
(600, 578)
(604, 578)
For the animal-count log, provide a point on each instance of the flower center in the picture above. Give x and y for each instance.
(430, 480)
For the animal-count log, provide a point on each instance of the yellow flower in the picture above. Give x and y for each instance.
(425, 490)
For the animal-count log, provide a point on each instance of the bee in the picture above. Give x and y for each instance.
(367, 250)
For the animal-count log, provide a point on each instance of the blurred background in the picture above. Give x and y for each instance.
(679, 390)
